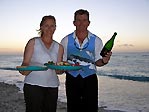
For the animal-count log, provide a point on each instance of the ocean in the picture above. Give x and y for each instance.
(123, 82)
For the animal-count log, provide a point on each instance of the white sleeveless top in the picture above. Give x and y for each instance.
(40, 56)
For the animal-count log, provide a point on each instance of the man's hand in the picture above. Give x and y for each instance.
(107, 57)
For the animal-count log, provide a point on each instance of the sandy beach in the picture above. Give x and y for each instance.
(11, 100)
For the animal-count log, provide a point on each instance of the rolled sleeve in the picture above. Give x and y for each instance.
(98, 48)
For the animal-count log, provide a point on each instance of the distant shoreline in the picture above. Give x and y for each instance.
(21, 52)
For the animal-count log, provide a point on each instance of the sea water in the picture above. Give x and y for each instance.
(123, 82)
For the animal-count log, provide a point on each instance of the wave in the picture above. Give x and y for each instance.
(133, 78)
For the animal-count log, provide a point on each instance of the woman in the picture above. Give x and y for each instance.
(41, 87)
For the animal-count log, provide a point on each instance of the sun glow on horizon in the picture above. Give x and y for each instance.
(129, 18)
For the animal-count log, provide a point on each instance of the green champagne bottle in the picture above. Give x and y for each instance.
(108, 46)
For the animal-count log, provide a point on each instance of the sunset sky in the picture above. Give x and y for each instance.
(19, 20)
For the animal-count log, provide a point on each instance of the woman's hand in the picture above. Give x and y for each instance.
(59, 71)
(25, 73)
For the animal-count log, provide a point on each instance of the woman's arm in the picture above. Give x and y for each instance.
(60, 53)
(60, 57)
(29, 48)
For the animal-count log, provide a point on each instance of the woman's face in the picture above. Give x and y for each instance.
(48, 27)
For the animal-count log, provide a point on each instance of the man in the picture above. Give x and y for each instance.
(84, 48)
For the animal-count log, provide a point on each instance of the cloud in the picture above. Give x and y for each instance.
(126, 45)
(9, 50)
(4, 48)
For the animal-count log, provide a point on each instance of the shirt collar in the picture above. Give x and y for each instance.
(89, 34)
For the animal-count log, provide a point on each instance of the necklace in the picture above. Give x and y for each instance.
(78, 46)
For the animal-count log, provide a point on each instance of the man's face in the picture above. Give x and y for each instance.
(81, 22)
